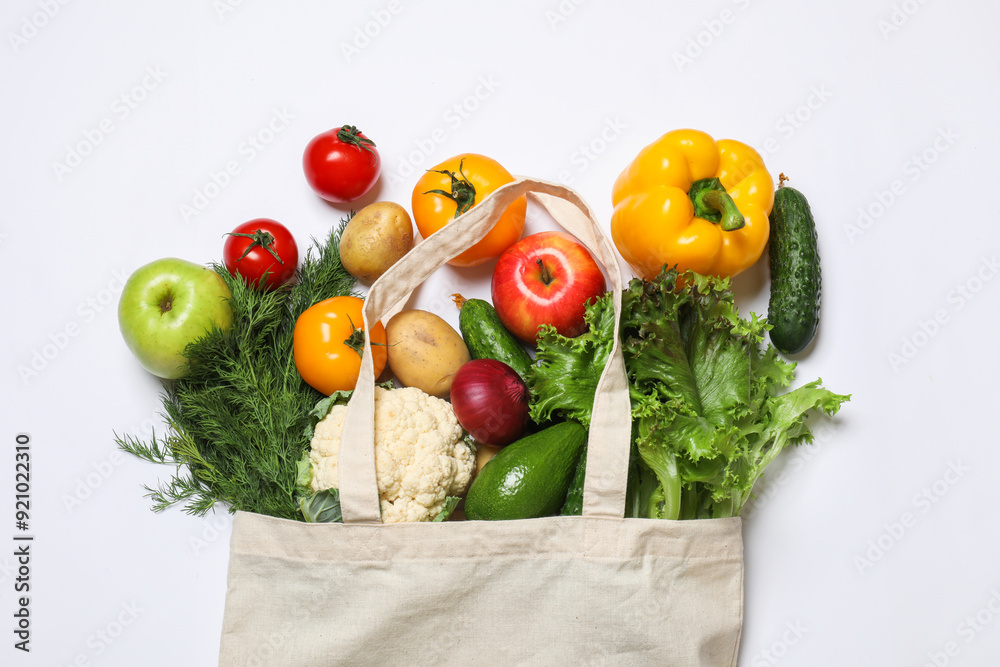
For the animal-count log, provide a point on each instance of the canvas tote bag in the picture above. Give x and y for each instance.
(595, 589)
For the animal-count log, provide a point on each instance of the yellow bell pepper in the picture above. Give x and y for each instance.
(689, 201)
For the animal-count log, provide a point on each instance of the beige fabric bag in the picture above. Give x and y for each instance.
(595, 589)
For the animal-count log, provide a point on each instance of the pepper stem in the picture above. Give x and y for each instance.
(720, 200)
(713, 203)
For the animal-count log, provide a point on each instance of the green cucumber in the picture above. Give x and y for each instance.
(530, 477)
(487, 338)
(793, 309)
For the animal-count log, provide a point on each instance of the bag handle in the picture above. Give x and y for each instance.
(611, 426)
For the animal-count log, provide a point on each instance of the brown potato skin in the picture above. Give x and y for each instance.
(375, 238)
(424, 351)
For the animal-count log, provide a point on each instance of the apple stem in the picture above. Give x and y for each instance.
(546, 275)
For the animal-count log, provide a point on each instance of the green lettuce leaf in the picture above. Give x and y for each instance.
(710, 406)
(583, 358)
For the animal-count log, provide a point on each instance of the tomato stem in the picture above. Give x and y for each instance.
(351, 135)
(261, 239)
(356, 341)
(463, 193)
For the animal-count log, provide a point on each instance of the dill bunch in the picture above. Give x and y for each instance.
(237, 422)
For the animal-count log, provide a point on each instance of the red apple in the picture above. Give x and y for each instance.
(545, 278)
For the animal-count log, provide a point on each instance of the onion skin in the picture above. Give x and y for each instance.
(490, 401)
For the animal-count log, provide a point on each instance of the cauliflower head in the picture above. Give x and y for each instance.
(421, 456)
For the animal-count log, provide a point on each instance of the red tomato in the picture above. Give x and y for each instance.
(342, 164)
(258, 247)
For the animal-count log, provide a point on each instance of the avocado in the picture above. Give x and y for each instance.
(530, 477)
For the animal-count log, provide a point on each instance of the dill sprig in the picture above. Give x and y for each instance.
(237, 421)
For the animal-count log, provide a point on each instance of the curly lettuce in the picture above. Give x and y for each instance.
(711, 407)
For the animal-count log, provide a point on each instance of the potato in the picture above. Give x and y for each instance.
(483, 454)
(376, 238)
(424, 351)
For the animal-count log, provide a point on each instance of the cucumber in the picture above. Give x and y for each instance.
(487, 338)
(793, 309)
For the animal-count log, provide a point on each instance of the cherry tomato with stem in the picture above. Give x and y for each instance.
(263, 252)
(342, 164)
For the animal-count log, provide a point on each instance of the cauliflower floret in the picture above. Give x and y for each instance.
(421, 457)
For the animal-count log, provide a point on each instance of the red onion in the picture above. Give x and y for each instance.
(490, 401)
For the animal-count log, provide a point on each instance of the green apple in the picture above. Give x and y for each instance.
(167, 304)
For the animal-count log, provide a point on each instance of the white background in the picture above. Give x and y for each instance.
(879, 544)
